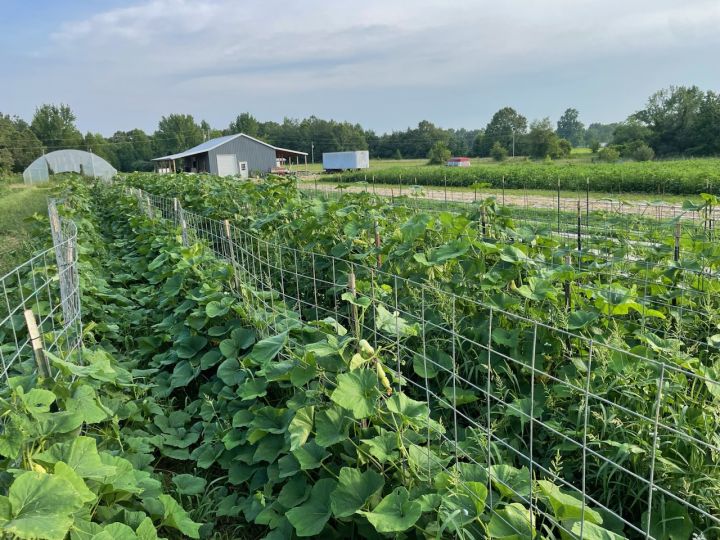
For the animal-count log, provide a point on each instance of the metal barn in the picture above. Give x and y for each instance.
(232, 155)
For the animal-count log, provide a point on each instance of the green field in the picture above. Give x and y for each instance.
(18, 234)
(692, 176)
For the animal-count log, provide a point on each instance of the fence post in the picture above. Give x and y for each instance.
(377, 243)
(568, 261)
(37, 346)
(503, 191)
(558, 206)
(64, 259)
(587, 202)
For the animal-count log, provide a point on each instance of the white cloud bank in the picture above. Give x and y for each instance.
(234, 54)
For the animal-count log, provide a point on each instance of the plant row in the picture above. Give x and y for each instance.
(633, 344)
(661, 177)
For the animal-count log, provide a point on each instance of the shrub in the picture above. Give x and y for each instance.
(498, 152)
(564, 148)
(609, 154)
(594, 146)
(439, 154)
(642, 152)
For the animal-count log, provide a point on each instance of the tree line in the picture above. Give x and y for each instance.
(678, 121)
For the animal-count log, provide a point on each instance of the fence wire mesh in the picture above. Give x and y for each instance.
(585, 414)
(40, 304)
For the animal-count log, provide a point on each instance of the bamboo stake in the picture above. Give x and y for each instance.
(37, 346)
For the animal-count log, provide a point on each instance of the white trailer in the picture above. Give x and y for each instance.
(342, 161)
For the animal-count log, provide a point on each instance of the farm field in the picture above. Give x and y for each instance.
(355, 366)
(18, 235)
(656, 178)
(578, 155)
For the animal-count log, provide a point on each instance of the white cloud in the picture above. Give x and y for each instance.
(234, 54)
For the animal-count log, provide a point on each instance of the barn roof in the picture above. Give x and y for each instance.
(219, 141)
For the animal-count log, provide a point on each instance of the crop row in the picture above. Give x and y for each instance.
(661, 177)
(631, 338)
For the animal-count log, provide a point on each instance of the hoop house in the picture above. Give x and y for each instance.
(68, 161)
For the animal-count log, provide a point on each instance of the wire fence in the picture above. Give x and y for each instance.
(632, 436)
(40, 305)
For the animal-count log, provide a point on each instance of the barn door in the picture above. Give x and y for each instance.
(227, 165)
(243, 169)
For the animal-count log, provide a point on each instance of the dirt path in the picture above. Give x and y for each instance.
(529, 200)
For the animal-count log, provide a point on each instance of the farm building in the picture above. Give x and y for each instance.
(232, 155)
(61, 161)
(459, 162)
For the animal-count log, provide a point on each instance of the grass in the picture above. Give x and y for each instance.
(18, 239)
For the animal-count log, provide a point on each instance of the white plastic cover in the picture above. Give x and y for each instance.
(68, 161)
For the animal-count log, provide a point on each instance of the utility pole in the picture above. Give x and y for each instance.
(513, 133)
(312, 150)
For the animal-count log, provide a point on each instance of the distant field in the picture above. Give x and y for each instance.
(17, 238)
(577, 155)
(675, 177)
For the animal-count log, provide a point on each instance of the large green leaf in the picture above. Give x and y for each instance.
(268, 348)
(670, 521)
(590, 531)
(62, 470)
(301, 427)
(189, 346)
(393, 324)
(354, 489)
(41, 506)
(513, 522)
(309, 519)
(86, 403)
(37, 400)
(81, 455)
(395, 513)
(358, 392)
(187, 484)
(310, 455)
(331, 426)
(116, 531)
(567, 507)
(175, 517)
(509, 481)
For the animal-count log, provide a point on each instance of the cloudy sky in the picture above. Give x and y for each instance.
(384, 63)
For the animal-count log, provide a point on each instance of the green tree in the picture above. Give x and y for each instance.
(498, 152)
(439, 153)
(133, 150)
(99, 145)
(7, 130)
(175, 133)
(54, 126)
(631, 130)
(506, 126)
(20, 145)
(594, 146)
(542, 141)
(602, 133)
(398, 154)
(571, 128)
(244, 123)
(682, 120)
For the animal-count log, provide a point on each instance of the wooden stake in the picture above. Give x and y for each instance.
(377, 243)
(37, 346)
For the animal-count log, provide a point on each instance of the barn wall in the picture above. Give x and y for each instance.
(259, 157)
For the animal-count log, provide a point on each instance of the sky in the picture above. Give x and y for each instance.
(386, 64)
